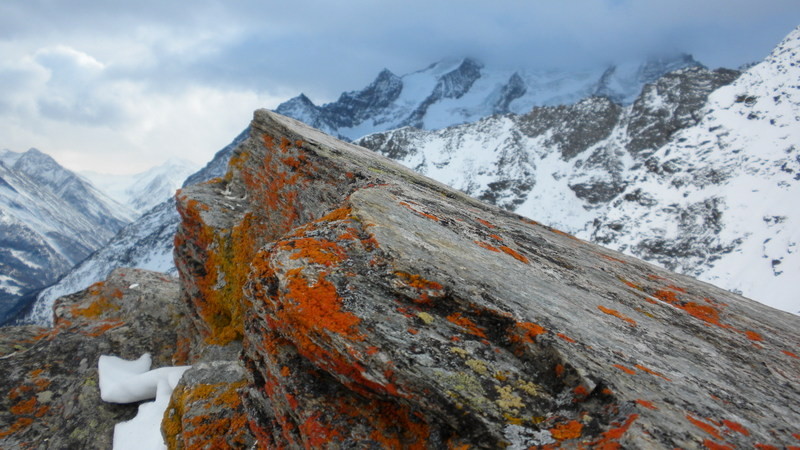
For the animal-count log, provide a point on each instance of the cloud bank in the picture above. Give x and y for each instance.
(120, 86)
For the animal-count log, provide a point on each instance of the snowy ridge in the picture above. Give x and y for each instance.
(700, 174)
(146, 243)
(457, 91)
(50, 219)
(143, 191)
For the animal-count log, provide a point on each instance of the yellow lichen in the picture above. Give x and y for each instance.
(478, 366)
(459, 351)
(425, 317)
(508, 400)
(528, 387)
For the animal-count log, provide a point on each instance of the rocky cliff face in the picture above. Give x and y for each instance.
(378, 308)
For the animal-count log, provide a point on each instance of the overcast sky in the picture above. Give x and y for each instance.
(120, 86)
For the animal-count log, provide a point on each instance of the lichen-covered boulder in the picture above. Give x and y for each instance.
(49, 396)
(380, 309)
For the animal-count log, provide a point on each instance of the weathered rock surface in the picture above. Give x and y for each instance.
(378, 308)
(49, 396)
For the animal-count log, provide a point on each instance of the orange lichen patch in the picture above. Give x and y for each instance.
(711, 445)
(314, 251)
(708, 428)
(766, 447)
(706, 313)
(617, 314)
(514, 254)
(488, 246)
(796, 436)
(608, 439)
(677, 289)
(24, 407)
(285, 371)
(418, 282)
(568, 430)
(496, 237)
(95, 309)
(630, 284)
(413, 331)
(753, 336)
(646, 404)
(651, 372)
(102, 327)
(580, 393)
(467, 324)
(485, 223)
(566, 338)
(737, 427)
(627, 370)
(526, 332)
(421, 213)
(610, 258)
(20, 424)
(317, 307)
(788, 353)
(559, 232)
(666, 296)
(559, 370)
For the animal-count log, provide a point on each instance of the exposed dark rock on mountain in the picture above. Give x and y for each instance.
(379, 308)
(49, 397)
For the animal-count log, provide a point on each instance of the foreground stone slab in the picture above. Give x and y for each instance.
(378, 308)
(49, 396)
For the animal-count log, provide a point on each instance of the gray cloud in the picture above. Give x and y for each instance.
(109, 64)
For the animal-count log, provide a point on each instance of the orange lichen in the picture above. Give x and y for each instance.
(526, 332)
(559, 370)
(24, 407)
(608, 438)
(413, 331)
(467, 324)
(421, 213)
(627, 370)
(753, 336)
(788, 353)
(568, 430)
(20, 424)
(317, 307)
(427, 288)
(285, 371)
(514, 254)
(496, 237)
(314, 251)
(611, 258)
(766, 447)
(488, 246)
(737, 427)
(708, 428)
(650, 371)
(566, 338)
(646, 404)
(631, 284)
(580, 393)
(711, 445)
(485, 223)
(95, 309)
(617, 314)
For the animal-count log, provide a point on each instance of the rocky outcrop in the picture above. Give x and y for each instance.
(378, 308)
(49, 396)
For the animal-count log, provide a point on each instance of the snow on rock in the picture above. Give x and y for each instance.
(124, 381)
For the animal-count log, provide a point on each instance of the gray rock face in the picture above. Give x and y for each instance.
(379, 308)
(50, 397)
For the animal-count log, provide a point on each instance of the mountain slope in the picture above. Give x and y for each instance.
(705, 185)
(451, 92)
(50, 219)
(146, 243)
(143, 191)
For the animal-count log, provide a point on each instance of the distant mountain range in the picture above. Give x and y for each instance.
(50, 220)
(631, 156)
(458, 91)
(700, 174)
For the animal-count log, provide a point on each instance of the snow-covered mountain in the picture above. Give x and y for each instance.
(50, 219)
(701, 174)
(452, 92)
(143, 191)
(146, 243)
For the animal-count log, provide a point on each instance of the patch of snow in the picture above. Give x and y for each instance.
(123, 381)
